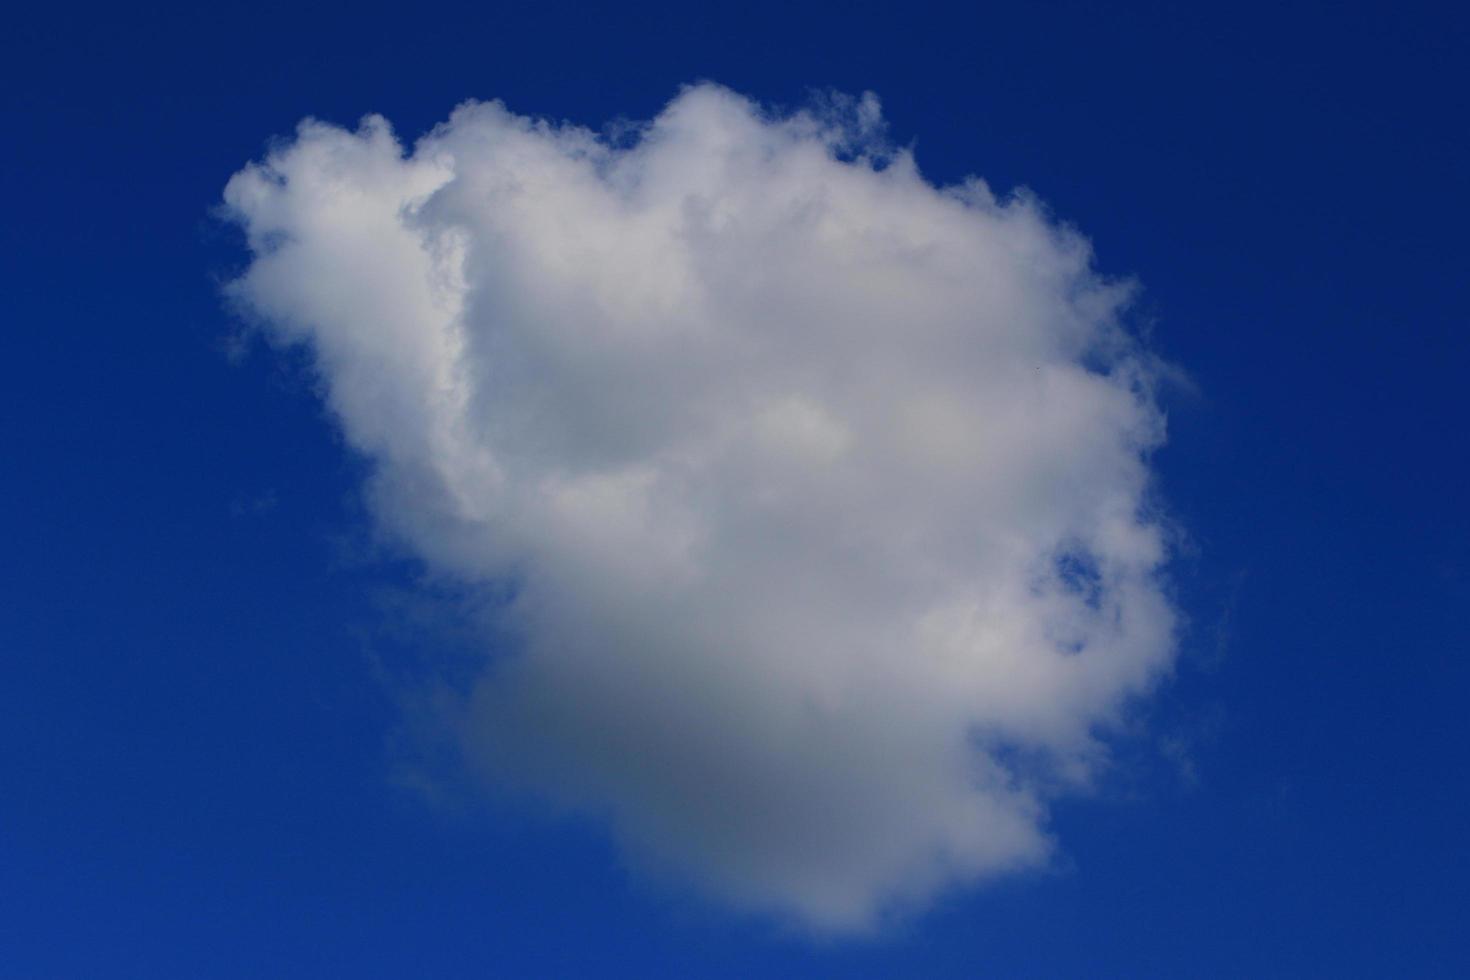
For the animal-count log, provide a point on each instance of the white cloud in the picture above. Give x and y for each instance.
(824, 490)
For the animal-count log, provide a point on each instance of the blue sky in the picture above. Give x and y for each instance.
(202, 734)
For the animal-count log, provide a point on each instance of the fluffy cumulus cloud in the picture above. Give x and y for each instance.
(822, 492)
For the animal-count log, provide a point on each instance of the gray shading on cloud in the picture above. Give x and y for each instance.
(825, 490)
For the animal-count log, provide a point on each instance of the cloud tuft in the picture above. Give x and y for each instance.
(824, 490)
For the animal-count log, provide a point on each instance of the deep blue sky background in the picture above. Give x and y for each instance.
(195, 740)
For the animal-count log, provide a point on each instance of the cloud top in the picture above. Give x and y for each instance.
(823, 491)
